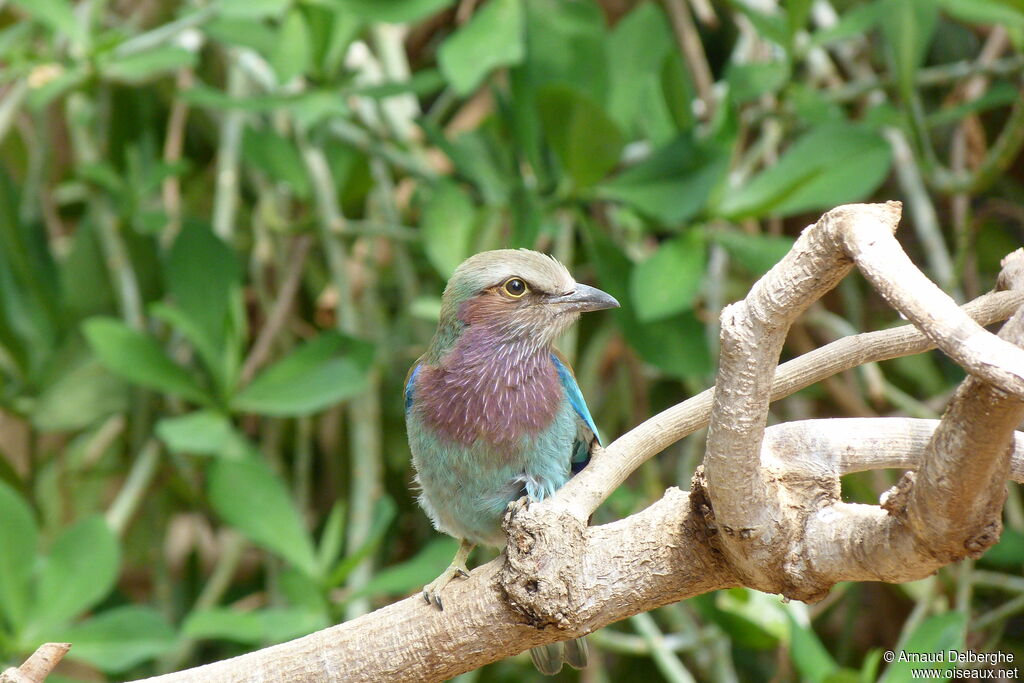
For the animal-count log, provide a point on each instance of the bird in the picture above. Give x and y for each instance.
(493, 411)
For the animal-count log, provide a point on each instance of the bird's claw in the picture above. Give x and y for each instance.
(518, 505)
(432, 591)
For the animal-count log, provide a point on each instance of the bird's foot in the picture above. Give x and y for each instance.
(518, 505)
(432, 591)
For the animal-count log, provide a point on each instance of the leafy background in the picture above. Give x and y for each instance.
(225, 226)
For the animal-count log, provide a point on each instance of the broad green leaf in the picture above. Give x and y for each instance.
(143, 66)
(332, 537)
(667, 282)
(674, 183)
(224, 623)
(138, 358)
(773, 26)
(242, 32)
(84, 393)
(676, 345)
(586, 141)
(323, 371)
(414, 573)
(986, 12)
(58, 15)
(271, 625)
(292, 54)
(203, 432)
(79, 571)
(492, 38)
(806, 178)
(393, 11)
(637, 48)
(447, 224)
(252, 9)
(908, 27)
(251, 498)
(856, 21)
(276, 156)
(936, 634)
(18, 538)
(383, 514)
(811, 658)
(565, 45)
(750, 81)
(200, 274)
(756, 253)
(1008, 553)
(120, 638)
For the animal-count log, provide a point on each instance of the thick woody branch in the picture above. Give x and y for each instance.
(746, 505)
(767, 497)
(498, 611)
(835, 447)
(611, 466)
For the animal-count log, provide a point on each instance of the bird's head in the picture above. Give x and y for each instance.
(518, 294)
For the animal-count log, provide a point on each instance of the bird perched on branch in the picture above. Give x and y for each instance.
(493, 411)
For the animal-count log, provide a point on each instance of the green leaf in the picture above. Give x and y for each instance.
(204, 432)
(674, 183)
(332, 536)
(384, 512)
(414, 573)
(447, 224)
(224, 623)
(18, 538)
(805, 178)
(936, 634)
(143, 66)
(329, 368)
(138, 358)
(1008, 553)
(393, 11)
(253, 9)
(756, 253)
(200, 274)
(855, 21)
(676, 345)
(640, 42)
(272, 625)
(292, 54)
(277, 156)
(667, 282)
(79, 396)
(986, 12)
(492, 38)
(750, 81)
(79, 571)
(120, 638)
(811, 658)
(566, 44)
(586, 141)
(908, 27)
(56, 14)
(254, 500)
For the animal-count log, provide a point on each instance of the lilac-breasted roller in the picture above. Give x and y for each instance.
(493, 411)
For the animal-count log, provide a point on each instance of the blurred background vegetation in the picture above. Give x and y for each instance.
(224, 230)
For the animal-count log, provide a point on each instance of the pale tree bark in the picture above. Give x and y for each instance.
(764, 510)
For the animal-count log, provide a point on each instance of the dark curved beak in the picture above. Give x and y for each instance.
(584, 298)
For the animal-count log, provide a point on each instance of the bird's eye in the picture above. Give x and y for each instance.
(515, 287)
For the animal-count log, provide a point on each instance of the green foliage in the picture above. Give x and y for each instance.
(224, 232)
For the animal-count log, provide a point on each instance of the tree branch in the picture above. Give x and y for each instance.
(765, 514)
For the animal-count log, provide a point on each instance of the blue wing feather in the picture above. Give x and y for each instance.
(575, 396)
(408, 386)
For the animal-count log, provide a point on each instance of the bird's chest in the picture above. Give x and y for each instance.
(502, 400)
